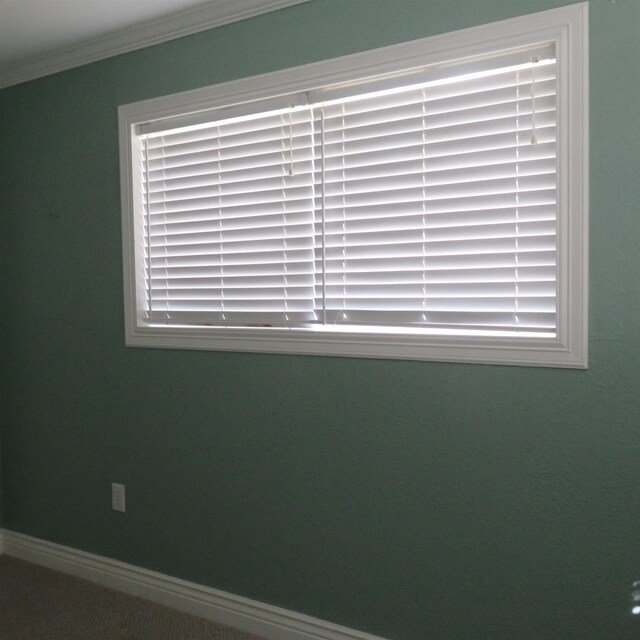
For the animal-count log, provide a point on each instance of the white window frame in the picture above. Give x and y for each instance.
(567, 29)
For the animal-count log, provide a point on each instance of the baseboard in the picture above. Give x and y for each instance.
(272, 623)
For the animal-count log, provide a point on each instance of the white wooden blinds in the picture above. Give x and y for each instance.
(230, 222)
(412, 203)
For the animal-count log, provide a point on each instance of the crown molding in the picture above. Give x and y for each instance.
(175, 25)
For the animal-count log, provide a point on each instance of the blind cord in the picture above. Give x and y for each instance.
(220, 227)
(343, 314)
(534, 137)
(291, 141)
(166, 254)
(516, 272)
(322, 213)
(424, 205)
(147, 207)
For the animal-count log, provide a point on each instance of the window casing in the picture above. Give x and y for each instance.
(425, 201)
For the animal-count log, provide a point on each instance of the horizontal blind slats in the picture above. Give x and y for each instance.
(475, 107)
(233, 317)
(208, 267)
(453, 92)
(424, 208)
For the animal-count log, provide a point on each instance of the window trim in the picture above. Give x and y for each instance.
(567, 28)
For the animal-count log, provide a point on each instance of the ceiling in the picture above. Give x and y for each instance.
(38, 37)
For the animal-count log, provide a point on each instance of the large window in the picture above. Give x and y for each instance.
(425, 200)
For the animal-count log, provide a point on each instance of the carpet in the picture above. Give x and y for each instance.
(40, 604)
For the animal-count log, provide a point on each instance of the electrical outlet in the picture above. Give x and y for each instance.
(117, 497)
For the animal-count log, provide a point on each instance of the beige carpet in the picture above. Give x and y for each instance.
(40, 604)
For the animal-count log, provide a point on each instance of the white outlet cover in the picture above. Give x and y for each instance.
(117, 497)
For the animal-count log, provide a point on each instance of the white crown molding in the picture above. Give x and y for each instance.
(250, 616)
(175, 25)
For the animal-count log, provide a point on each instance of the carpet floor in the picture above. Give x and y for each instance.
(41, 604)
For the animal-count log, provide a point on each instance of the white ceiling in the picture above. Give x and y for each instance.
(38, 37)
(36, 27)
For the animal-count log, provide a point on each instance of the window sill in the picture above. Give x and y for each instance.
(495, 349)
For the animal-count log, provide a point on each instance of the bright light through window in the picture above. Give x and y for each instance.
(417, 212)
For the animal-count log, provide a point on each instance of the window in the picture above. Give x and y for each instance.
(424, 201)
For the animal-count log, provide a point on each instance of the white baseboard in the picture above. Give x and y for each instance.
(250, 616)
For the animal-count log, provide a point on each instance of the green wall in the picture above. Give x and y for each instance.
(412, 500)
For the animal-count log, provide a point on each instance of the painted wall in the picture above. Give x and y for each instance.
(411, 500)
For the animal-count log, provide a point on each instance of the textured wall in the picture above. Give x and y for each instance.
(413, 500)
